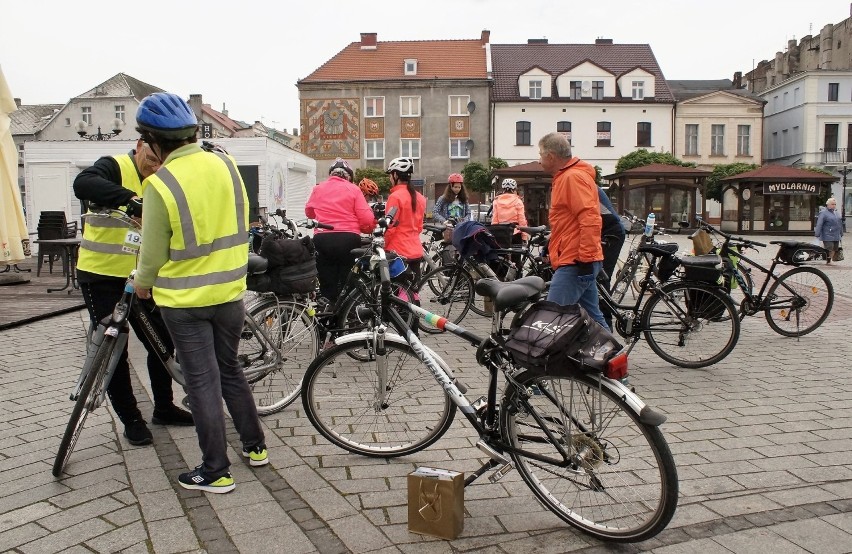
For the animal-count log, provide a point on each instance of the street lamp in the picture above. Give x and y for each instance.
(117, 124)
(844, 171)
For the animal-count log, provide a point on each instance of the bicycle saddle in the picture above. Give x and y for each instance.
(257, 264)
(533, 230)
(507, 295)
(658, 249)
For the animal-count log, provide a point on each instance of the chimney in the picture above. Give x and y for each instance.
(738, 80)
(485, 37)
(18, 103)
(536, 41)
(369, 41)
(224, 110)
(195, 103)
(603, 41)
(295, 132)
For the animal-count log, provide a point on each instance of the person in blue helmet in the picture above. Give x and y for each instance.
(194, 261)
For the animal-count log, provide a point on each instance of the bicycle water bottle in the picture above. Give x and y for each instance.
(649, 225)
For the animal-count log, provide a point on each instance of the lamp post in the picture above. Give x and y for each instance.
(117, 124)
(843, 171)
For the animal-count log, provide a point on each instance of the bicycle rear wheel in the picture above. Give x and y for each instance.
(447, 292)
(799, 301)
(588, 458)
(92, 387)
(690, 325)
(277, 352)
(357, 407)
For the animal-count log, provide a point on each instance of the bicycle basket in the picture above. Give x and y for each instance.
(556, 339)
(797, 253)
(701, 243)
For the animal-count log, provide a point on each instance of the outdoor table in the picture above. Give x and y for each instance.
(71, 246)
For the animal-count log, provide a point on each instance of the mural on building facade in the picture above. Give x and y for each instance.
(331, 128)
(277, 186)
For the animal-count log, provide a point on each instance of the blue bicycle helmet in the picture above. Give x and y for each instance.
(166, 115)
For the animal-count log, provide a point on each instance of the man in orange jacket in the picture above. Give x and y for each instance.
(575, 226)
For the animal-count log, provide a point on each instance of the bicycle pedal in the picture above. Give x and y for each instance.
(501, 472)
(479, 404)
(493, 454)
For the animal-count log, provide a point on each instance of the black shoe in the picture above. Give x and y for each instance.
(172, 416)
(137, 433)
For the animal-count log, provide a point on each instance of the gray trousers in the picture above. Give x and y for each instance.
(206, 341)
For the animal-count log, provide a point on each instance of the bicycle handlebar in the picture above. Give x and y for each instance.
(728, 237)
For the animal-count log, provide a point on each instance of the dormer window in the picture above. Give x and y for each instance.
(638, 90)
(535, 90)
(411, 66)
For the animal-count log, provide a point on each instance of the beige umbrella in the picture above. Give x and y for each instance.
(13, 228)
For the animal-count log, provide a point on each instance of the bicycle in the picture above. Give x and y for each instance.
(795, 302)
(577, 438)
(636, 264)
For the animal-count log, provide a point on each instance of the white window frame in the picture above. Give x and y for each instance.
(407, 147)
(744, 140)
(597, 86)
(690, 143)
(119, 113)
(638, 90)
(370, 149)
(410, 66)
(717, 140)
(575, 90)
(461, 151)
(461, 101)
(405, 106)
(535, 90)
(86, 112)
(370, 102)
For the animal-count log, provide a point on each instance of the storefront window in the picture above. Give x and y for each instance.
(636, 202)
(679, 207)
(800, 213)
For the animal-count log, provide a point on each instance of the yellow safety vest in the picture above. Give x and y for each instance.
(100, 249)
(207, 206)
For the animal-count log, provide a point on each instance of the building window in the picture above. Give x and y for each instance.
(833, 92)
(564, 129)
(638, 90)
(523, 134)
(643, 133)
(67, 121)
(409, 148)
(597, 90)
(604, 133)
(374, 106)
(409, 106)
(535, 90)
(717, 140)
(411, 67)
(119, 113)
(773, 146)
(691, 144)
(576, 90)
(87, 115)
(458, 148)
(374, 149)
(458, 105)
(743, 140)
(832, 132)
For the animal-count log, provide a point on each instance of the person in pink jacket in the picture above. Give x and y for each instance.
(403, 237)
(338, 202)
(509, 208)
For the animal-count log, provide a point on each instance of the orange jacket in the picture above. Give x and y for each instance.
(509, 208)
(575, 215)
(404, 235)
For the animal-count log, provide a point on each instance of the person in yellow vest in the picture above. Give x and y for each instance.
(102, 269)
(194, 260)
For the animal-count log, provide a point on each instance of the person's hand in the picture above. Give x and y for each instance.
(144, 294)
(584, 268)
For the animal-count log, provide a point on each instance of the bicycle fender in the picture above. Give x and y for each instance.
(645, 413)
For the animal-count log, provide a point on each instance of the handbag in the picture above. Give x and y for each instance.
(838, 254)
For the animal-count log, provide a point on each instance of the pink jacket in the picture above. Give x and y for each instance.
(509, 208)
(404, 236)
(340, 203)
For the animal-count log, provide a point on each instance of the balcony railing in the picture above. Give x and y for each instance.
(837, 156)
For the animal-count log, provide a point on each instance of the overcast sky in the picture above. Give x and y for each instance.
(249, 54)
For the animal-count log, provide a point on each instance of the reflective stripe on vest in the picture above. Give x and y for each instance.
(211, 269)
(101, 248)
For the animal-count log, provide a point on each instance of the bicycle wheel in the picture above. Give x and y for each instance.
(90, 390)
(447, 292)
(799, 301)
(277, 352)
(626, 277)
(358, 408)
(477, 301)
(588, 458)
(690, 324)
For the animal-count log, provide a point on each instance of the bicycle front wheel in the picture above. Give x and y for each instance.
(799, 301)
(92, 387)
(588, 458)
(447, 292)
(690, 325)
(372, 410)
(276, 351)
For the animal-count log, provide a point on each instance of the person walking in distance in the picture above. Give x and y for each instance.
(829, 228)
(575, 226)
(194, 261)
(102, 269)
(403, 237)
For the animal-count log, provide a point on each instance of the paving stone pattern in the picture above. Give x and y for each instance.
(762, 442)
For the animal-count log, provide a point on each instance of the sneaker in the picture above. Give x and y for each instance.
(196, 480)
(137, 433)
(257, 456)
(172, 415)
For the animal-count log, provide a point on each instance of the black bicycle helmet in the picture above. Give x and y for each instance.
(166, 115)
(341, 169)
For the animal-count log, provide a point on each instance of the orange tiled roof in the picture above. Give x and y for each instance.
(441, 59)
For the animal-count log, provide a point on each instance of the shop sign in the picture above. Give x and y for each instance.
(790, 188)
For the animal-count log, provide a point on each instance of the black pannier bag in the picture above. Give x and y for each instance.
(797, 253)
(292, 266)
(666, 267)
(557, 340)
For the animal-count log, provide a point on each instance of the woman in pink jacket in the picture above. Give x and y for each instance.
(509, 208)
(404, 235)
(338, 202)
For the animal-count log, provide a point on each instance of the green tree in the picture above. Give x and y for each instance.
(598, 172)
(713, 184)
(643, 157)
(825, 194)
(376, 175)
(477, 177)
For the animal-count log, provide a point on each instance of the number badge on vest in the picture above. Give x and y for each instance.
(132, 242)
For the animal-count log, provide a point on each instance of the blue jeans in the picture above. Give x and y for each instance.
(206, 341)
(568, 288)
